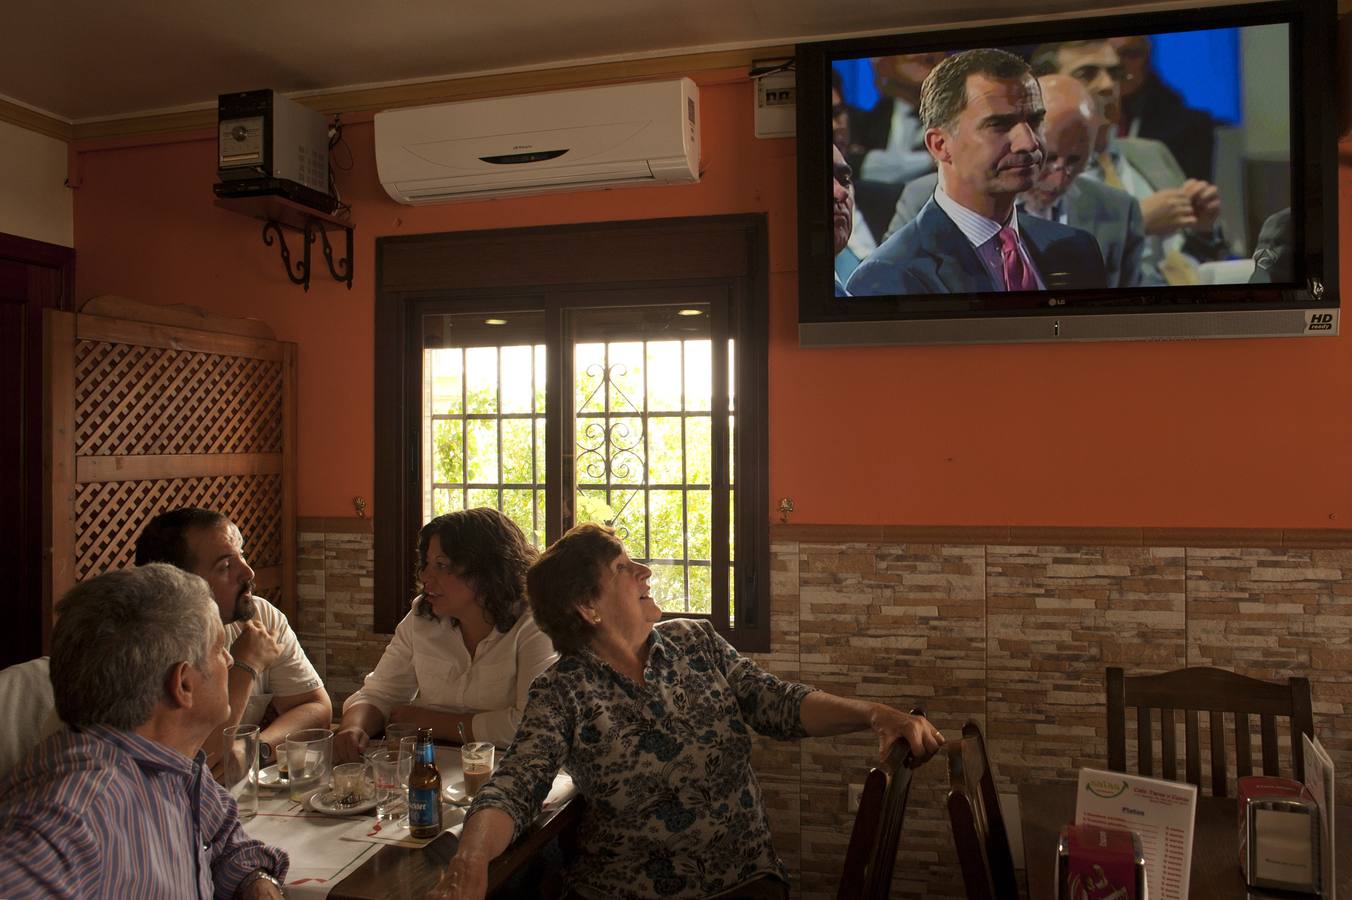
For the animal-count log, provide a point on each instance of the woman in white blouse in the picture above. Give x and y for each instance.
(465, 655)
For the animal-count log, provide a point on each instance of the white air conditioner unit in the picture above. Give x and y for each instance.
(563, 140)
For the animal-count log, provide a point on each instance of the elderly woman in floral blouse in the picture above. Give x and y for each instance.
(653, 720)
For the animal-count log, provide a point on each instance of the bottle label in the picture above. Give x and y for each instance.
(424, 808)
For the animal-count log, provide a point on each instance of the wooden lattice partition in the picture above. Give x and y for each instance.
(150, 408)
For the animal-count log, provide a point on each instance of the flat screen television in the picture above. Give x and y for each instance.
(1153, 176)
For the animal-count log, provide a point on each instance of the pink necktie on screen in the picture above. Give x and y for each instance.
(1018, 277)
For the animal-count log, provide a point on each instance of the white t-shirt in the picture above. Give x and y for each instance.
(27, 710)
(292, 673)
(427, 659)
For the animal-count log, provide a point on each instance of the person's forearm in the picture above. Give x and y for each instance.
(240, 689)
(825, 714)
(366, 716)
(487, 833)
(445, 725)
(314, 714)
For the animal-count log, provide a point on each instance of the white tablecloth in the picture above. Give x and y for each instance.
(326, 849)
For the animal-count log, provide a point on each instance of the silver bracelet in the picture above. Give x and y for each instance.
(257, 875)
(245, 667)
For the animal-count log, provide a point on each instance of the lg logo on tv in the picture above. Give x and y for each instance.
(1321, 321)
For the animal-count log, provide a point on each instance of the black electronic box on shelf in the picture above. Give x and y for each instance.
(277, 187)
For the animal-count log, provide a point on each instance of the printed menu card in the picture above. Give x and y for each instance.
(1161, 812)
(1319, 779)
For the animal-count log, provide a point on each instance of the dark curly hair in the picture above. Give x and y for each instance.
(165, 537)
(567, 573)
(493, 555)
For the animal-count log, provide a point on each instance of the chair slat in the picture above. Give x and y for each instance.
(1144, 746)
(1218, 773)
(1268, 728)
(1169, 743)
(1194, 748)
(1243, 751)
(1117, 719)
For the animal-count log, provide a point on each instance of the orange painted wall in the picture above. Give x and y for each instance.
(1210, 434)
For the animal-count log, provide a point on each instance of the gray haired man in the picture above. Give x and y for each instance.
(121, 805)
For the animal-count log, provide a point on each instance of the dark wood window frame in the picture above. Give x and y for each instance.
(517, 267)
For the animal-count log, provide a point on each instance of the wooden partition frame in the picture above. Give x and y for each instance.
(144, 414)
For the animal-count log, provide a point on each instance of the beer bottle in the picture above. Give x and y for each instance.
(424, 790)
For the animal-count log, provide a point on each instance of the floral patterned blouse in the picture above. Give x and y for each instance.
(673, 808)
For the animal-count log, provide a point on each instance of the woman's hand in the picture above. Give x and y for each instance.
(464, 879)
(892, 725)
(349, 743)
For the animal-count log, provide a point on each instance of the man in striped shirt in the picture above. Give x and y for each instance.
(120, 805)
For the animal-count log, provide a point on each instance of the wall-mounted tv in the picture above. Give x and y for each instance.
(1153, 176)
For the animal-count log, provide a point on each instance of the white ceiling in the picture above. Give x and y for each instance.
(84, 60)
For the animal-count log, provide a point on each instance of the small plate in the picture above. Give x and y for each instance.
(324, 801)
(272, 777)
(454, 793)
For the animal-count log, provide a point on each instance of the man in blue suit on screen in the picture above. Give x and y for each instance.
(982, 111)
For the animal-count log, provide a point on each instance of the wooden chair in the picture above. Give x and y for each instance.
(1217, 692)
(872, 852)
(978, 825)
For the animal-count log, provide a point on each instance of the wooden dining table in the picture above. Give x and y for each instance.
(1044, 808)
(408, 872)
(366, 871)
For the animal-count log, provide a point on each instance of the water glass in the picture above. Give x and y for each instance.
(240, 763)
(408, 752)
(396, 732)
(390, 792)
(309, 759)
(476, 761)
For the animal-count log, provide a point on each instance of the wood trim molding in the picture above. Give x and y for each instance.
(179, 315)
(707, 68)
(171, 337)
(140, 468)
(32, 120)
(334, 525)
(1286, 538)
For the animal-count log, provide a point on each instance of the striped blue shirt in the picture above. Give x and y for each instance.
(108, 813)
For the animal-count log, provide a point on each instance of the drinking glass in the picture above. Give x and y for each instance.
(390, 797)
(408, 751)
(476, 761)
(240, 776)
(396, 732)
(309, 758)
(353, 783)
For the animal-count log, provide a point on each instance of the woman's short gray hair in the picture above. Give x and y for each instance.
(119, 634)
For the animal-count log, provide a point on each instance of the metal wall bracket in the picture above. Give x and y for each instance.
(280, 215)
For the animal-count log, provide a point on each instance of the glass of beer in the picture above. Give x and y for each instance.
(476, 760)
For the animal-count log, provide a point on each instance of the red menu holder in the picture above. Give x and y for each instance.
(1099, 863)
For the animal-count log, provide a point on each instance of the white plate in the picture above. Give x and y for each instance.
(272, 777)
(455, 793)
(324, 801)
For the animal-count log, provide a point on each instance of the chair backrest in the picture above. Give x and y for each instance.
(1216, 692)
(872, 851)
(978, 825)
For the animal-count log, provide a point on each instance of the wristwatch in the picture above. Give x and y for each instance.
(264, 753)
(257, 875)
